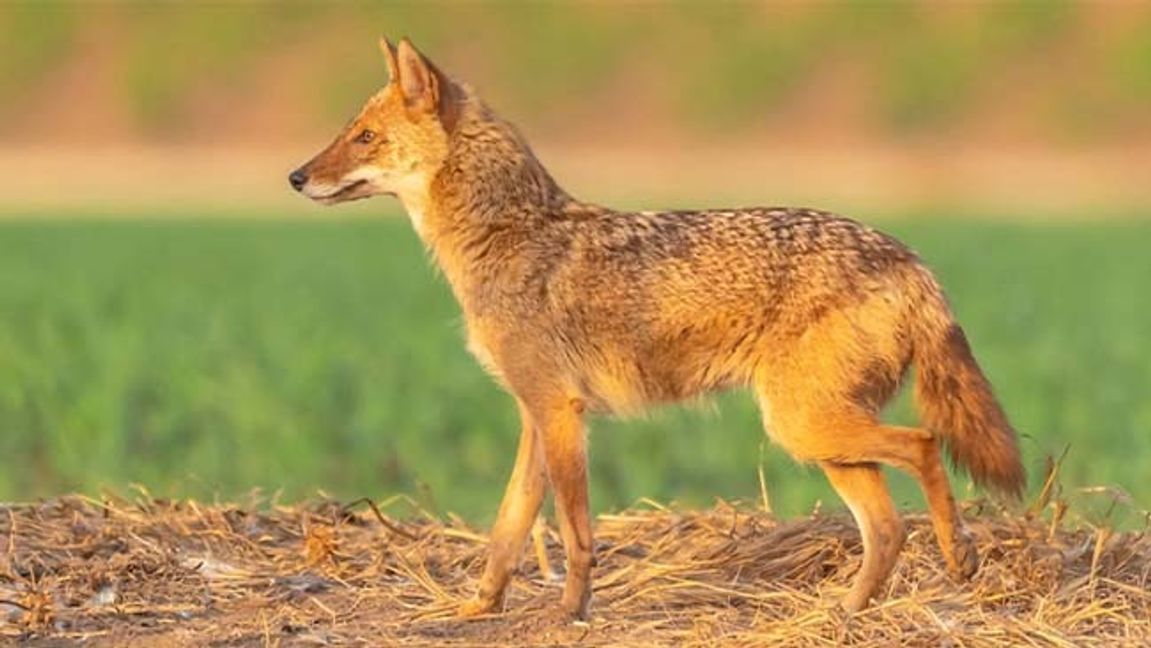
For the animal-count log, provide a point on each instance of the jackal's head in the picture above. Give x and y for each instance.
(396, 144)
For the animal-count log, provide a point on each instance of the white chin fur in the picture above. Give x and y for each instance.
(320, 191)
(368, 177)
(411, 188)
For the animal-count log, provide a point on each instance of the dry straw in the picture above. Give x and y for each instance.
(148, 572)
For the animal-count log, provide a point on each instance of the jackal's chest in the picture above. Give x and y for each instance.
(480, 349)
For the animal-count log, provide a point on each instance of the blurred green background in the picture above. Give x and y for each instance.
(169, 317)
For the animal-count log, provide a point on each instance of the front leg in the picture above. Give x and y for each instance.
(521, 504)
(565, 452)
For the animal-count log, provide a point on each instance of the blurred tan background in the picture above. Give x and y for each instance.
(1027, 108)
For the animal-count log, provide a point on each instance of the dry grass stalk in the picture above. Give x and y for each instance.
(152, 572)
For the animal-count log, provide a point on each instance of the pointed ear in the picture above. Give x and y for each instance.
(418, 80)
(390, 57)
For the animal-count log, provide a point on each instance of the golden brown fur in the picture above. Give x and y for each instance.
(574, 307)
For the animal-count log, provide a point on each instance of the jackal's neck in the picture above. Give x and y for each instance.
(491, 175)
(490, 196)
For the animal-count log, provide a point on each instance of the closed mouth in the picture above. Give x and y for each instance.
(343, 191)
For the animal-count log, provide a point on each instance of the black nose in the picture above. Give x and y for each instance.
(298, 179)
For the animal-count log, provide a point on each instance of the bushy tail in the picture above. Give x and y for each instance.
(955, 399)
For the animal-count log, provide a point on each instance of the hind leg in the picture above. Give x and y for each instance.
(820, 394)
(916, 452)
(849, 443)
(859, 438)
(955, 542)
(864, 490)
(817, 432)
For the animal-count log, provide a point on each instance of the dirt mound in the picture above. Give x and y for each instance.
(154, 573)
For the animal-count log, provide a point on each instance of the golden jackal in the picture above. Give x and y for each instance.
(573, 307)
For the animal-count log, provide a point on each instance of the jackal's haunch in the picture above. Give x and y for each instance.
(574, 308)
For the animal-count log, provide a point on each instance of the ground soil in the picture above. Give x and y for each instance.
(147, 573)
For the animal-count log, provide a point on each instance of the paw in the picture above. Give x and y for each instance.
(474, 607)
(855, 601)
(577, 606)
(965, 557)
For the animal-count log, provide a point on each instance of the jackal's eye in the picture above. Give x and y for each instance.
(366, 136)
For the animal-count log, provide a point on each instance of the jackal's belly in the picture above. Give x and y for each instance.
(623, 378)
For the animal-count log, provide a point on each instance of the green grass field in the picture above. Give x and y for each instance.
(207, 358)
